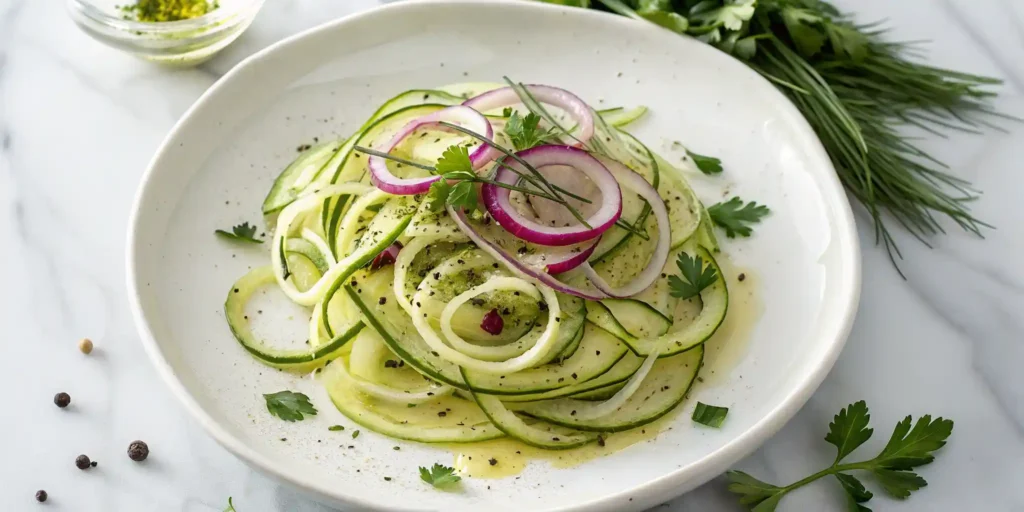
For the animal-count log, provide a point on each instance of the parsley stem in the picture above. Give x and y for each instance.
(388, 156)
(831, 470)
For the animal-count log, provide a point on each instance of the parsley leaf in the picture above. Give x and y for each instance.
(731, 15)
(899, 484)
(734, 217)
(707, 164)
(242, 233)
(289, 405)
(437, 197)
(854, 488)
(660, 12)
(849, 429)
(454, 159)
(525, 132)
(697, 277)
(231, 506)
(709, 415)
(908, 448)
(463, 195)
(753, 492)
(911, 445)
(803, 26)
(439, 476)
(454, 165)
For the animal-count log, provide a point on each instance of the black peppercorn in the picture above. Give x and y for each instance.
(138, 451)
(62, 399)
(83, 462)
(40, 496)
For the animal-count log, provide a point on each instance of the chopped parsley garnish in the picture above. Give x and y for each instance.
(911, 445)
(336, 428)
(696, 277)
(454, 165)
(709, 415)
(241, 233)
(454, 159)
(289, 405)
(525, 132)
(735, 217)
(439, 476)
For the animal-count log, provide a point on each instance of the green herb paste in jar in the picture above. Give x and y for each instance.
(155, 11)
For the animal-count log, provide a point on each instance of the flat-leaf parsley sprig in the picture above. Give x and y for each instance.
(243, 232)
(289, 405)
(911, 445)
(696, 277)
(735, 217)
(439, 476)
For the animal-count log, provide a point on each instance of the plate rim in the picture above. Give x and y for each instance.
(670, 484)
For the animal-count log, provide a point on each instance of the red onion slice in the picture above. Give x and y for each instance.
(650, 273)
(497, 201)
(518, 267)
(561, 98)
(574, 260)
(553, 260)
(381, 176)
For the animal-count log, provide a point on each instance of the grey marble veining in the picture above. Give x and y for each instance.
(79, 122)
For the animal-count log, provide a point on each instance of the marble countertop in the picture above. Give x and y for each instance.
(79, 122)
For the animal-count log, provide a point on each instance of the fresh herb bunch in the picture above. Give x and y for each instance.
(911, 445)
(856, 90)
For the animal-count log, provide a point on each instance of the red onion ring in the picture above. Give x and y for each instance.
(561, 98)
(458, 114)
(553, 260)
(650, 273)
(518, 267)
(575, 260)
(496, 198)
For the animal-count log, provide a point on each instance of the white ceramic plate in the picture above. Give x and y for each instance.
(216, 165)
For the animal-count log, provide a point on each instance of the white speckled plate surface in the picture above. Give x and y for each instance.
(218, 162)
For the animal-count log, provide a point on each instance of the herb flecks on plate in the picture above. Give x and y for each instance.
(910, 446)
